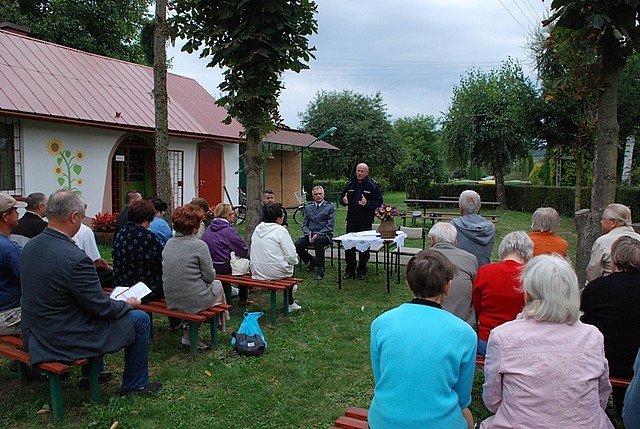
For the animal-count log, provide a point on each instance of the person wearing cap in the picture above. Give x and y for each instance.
(10, 292)
(32, 222)
(615, 223)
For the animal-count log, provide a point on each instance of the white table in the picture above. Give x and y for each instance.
(363, 241)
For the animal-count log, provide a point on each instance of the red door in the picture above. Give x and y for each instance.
(210, 174)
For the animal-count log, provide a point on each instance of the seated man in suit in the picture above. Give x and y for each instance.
(31, 223)
(317, 227)
(66, 315)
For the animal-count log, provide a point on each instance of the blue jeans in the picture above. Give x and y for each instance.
(136, 370)
(482, 347)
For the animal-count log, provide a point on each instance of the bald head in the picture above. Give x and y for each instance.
(362, 171)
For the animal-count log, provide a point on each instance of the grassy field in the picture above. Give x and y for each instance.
(316, 364)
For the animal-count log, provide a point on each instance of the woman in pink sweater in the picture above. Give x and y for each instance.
(546, 369)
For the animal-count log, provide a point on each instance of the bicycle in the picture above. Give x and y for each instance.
(241, 209)
(298, 214)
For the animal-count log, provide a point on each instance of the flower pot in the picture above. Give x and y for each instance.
(104, 238)
(387, 229)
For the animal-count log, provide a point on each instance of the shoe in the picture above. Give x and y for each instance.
(103, 377)
(347, 276)
(199, 344)
(294, 307)
(310, 267)
(362, 276)
(179, 327)
(149, 388)
(294, 290)
(246, 303)
(320, 274)
(234, 291)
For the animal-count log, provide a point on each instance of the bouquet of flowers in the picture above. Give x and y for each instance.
(104, 222)
(385, 212)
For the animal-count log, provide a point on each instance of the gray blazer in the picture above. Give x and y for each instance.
(65, 313)
(319, 220)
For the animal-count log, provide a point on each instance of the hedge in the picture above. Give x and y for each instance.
(528, 198)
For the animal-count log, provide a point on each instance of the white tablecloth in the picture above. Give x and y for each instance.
(365, 240)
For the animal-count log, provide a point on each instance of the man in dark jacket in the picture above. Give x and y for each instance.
(31, 223)
(123, 216)
(475, 233)
(361, 195)
(317, 227)
(66, 315)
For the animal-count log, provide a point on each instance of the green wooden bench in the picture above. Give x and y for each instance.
(11, 347)
(284, 285)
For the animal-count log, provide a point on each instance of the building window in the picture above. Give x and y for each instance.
(176, 171)
(10, 157)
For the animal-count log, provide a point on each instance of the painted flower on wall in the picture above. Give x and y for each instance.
(68, 166)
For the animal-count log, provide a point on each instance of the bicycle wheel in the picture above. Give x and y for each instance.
(241, 213)
(298, 215)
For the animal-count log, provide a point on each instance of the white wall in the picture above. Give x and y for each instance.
(97, 145)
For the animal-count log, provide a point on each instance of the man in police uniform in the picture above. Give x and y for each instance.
(361, 195)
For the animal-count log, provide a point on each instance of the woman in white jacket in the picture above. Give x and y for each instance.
(273, 255)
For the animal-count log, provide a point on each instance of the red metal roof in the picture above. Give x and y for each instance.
(51, 82)
(296, 138)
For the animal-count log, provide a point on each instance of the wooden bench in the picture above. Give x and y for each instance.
(354, 418)
(11, 347)
(615, 381)
(210, 316)
(284, 285)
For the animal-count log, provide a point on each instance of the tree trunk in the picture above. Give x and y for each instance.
(163, 179)
(628, 160)
(577, 203)
(253, 169)
(603, 191)
(501, 195)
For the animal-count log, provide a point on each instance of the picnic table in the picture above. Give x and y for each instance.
(443, 203)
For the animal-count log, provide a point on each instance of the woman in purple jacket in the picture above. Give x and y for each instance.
(222, 239)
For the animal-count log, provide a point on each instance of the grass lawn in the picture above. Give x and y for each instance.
(316, 364)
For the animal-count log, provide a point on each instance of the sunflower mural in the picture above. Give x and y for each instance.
(67, 169)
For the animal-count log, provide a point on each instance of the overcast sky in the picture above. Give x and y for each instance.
(411, 51)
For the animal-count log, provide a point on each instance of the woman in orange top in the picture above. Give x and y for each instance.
(544, 224)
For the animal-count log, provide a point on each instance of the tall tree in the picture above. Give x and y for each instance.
(613, 26)
(491, 120)
(255, 41)
(567, 69)
(365, 133)
(424, 161)
(109, 28)
(628, 112)
(160, 35)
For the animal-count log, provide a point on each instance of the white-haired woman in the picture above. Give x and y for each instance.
(496, 294)
(544, 224)
(546, 368)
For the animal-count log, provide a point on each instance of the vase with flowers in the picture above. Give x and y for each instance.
(385, 213)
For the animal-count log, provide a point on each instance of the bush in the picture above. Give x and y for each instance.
(104, 222)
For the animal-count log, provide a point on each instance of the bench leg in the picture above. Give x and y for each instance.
(193, 339)
(285, 307)
(213, 324)
(22, 371)
(273, 308)
(94, 384)
(56, 395)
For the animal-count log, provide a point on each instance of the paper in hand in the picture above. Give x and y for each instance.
(138, 290)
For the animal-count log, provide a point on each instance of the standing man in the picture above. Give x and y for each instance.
(615, 223)
(317, 227)
(123, 216)
(475, 233)
(66, 315)
(9, 267)
(31, 223)
(361, 195)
